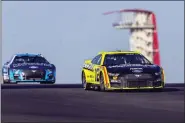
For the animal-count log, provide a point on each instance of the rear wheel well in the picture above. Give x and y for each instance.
(101, 74)
(82, 75)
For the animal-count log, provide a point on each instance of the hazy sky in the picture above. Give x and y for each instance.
(66, 33)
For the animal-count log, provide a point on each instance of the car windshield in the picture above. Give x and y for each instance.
(29, 59)
(119, 59)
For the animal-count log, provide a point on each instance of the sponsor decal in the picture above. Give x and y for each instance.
(28, 64)
(136, 70)
(33, 71)
(137, 75)
(91, 76)
(115, 77)
(33, 67)
(131, 65)
(113, 74)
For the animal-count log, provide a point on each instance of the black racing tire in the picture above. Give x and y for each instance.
(158, 89)
(102, 85)
(7, 81)
(85, 85)
(47, 82)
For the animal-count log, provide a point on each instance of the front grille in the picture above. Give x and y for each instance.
(138, 77)
(137, 84)
(34, 74)
(134, 81)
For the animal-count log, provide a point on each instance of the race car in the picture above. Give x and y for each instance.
(119, 70)
(28, 68)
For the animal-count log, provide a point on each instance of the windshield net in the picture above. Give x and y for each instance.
(119, 59)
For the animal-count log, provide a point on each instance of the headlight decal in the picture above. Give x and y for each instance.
(113, 74)
(49, 70)
(16, 71)
(49, 73)
(157, 73)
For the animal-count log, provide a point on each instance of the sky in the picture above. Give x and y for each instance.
(67, 33)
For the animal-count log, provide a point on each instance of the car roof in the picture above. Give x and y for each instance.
(26, 54)
(119, 52)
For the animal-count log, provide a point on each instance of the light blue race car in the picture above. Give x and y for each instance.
(28, 68)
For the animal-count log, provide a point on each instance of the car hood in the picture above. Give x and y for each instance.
(32, 66)
(133, 68)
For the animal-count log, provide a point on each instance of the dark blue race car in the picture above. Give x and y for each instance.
(28, 68)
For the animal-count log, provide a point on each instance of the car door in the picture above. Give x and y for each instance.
(6, 67)
(91, 68)
(5, 71)
(96, 67)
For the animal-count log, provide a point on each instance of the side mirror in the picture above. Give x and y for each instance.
(6, 62)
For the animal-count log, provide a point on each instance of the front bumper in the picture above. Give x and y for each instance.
(130, 81)
(140, 88)
(31, 82)
(32, 76)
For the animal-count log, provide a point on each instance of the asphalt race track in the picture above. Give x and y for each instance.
(52, 103)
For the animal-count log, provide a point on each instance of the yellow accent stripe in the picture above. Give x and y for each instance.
(105, 75)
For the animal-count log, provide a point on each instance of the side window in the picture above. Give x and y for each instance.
(94, 60)
(11, 59)
(97, 59)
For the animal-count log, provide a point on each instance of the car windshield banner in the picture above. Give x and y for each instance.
(29, 64)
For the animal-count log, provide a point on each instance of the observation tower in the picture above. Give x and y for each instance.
(143, 31)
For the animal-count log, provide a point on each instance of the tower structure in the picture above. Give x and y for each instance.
(143, 31)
